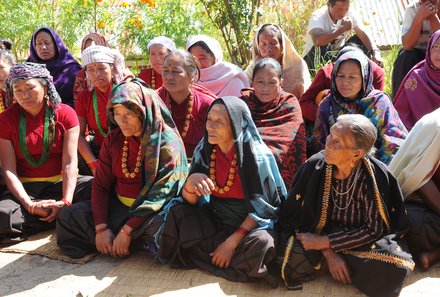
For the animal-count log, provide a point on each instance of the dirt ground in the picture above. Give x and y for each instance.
(140, 276)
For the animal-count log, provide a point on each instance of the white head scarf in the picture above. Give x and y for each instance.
(210, 42)
(164, 41)
(103, 54)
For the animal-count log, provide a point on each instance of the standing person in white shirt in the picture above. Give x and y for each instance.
(420, 21)
(329, 30)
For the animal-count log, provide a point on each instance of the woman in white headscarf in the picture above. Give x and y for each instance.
(271, 41)
(158, 48)
(221, 78)
(104, 68)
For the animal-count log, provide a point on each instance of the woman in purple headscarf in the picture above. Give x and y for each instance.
(419, 93)
(48, 48)
(352, 92)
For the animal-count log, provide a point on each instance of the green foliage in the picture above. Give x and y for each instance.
(292, 16)
(235, 20)
(389, 57)
(128, 26)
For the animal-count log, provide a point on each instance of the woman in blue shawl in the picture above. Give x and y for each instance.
(231, 235)
(48, 48)
(352, 92)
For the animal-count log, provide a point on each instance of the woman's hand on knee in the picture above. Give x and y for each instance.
(337, 267)
(104, 242)
(55, 207)
(121, 244)
(223, 254)
(38, 208)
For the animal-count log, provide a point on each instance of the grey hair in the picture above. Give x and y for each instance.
(364, 132)
(7, 56)
(189, 63)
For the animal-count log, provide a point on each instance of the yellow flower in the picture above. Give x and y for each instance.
(69, 10)
(101, 25)
(124, 4)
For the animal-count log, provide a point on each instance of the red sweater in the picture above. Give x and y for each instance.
(146, 75)
(65, 119)
(222, 166)
(109, 178)
(84, 109)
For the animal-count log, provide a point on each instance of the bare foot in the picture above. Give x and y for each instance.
(427, 259)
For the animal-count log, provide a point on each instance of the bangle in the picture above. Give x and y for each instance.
(124, 232)
(66, 202)
(242, 231)
(186, 190)
(31, 208)
(93, 164)
(100, 230)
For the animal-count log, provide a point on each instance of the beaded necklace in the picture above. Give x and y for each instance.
(231, 174)
(47, 139)
(153, 79)
(95, 110)
(125, 158)
(189, 108)
(2, 103)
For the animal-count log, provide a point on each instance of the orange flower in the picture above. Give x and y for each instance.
(99, 1)
(149, 2)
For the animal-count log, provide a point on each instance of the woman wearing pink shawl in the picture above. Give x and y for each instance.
(419, 93)
(221, 78)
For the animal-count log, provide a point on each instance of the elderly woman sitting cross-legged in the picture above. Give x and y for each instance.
(142, 166)
(346, 209)
(232, 235)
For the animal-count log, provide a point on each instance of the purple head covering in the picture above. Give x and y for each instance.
(419, 93)
(27, 70)
(63, 67)
(374, 104)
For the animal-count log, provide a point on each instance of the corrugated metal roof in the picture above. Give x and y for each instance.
(383, 19)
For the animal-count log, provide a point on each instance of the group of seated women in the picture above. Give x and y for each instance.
(205, 166)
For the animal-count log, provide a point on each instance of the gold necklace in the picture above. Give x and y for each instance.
(125, 157)
(189, 108)
(153, 79)
(2, 103)
(231, 175)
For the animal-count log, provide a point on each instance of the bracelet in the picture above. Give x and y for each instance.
(66, 202)
(93, 164)
(124, 232)
(186, 190)
(97, 231)
(242, 231)
(31, 208)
